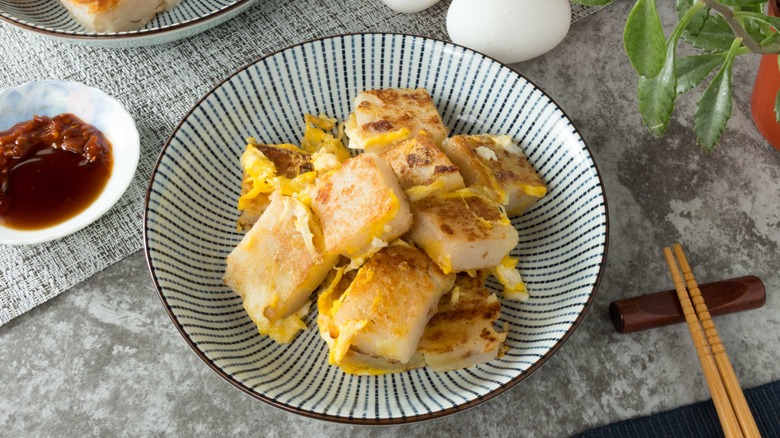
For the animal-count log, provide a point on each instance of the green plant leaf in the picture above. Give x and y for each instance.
(592, 2)
(754, 8)
(756, 29)
(656, 99)
(742, 2)
(772, 44)
(691, 70)
(752, 16)
(758, 25)
(657, 94)
(714, 107)
(683, 6)
(697, 21)
(643, 38)
(715, 35)
(777, 98)
(777, 107)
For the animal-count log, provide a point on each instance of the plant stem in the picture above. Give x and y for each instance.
(737, 28)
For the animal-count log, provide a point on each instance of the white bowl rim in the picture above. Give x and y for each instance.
(105, 201)
(138, 34)
(351, 420)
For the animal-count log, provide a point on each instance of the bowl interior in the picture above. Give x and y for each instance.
(191, 213)
(50, 98)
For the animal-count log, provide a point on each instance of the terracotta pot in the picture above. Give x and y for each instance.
(764, 92)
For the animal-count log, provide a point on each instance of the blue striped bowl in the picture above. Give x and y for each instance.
(49, 18)
(191, 212)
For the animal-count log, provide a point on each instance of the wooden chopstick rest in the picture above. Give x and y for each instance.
(663, 308)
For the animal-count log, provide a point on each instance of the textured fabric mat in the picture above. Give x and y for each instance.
(698, 420)
(158, 85)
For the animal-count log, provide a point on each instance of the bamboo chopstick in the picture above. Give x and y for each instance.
(739, 404)
(728, 419)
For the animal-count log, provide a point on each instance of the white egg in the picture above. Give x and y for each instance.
(509, 30)
(409, 5)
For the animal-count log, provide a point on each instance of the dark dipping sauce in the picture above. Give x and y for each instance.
(51, 169)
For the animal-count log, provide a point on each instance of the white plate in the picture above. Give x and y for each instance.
(191, 212)
(50, 98)
(50, 19)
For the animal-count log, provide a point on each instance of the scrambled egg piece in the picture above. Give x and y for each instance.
(506, 273)
(261, 171)
(317, 137)
(387, 138)
(328, 152)
(284, 330)
(419, 192)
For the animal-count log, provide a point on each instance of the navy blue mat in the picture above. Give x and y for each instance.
(698, 420)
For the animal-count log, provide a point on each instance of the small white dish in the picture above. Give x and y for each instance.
(50, 98)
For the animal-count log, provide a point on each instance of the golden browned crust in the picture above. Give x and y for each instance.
(400, 109)
(393, 291)
(458, 213)
(463, 323)
(393, 96)
(380, 126)
(288, 163)
(503, 173)
(97, 6)
(356, 201)
(418, 162)
(386, 117)
(506, 168)
(440, 170)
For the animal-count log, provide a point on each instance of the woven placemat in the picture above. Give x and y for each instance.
(699, 420)
(158, 85)
(578, 12)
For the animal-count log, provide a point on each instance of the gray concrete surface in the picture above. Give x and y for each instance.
(103, 359)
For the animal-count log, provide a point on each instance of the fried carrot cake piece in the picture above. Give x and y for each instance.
(277, 266)
(361, 207)
(462, 230)
(383, 118)
(497, 166)
(462, 333)
(384, 310)
(116, 15)
(422, 168)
